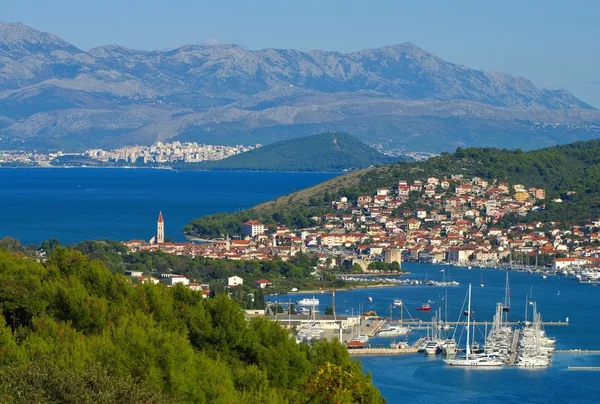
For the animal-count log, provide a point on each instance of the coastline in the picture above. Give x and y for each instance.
(178, 169)
(343, 289)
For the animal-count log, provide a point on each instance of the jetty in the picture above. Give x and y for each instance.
(513, 349)
(583, 368)
(382, 351)
(578, 351)
(425, 324)
(375, 329)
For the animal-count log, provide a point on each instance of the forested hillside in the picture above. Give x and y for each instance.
(322, 152)
(73, 332)
(571, 172)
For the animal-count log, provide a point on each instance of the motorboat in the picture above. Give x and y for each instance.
(397, 303)
(432, 348)
(388, 330)
(424, 307)
(449, 347)
(308, 302)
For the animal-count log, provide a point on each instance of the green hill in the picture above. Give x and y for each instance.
(323, 152)
(571, 172)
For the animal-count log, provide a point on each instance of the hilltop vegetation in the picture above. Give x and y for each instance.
(570, 172)
(322, 152)
(73, 332)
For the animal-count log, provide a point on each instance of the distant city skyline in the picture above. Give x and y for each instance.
(552, 43)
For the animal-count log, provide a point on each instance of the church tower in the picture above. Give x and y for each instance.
(160, 229)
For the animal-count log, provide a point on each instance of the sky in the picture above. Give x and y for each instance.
(555, 44)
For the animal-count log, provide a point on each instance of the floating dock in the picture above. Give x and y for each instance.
(382, 351)
(424, 324)
(578, 351)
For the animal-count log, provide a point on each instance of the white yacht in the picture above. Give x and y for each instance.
(308, 302)
(449, 347)
(432, 348)
(388, 330)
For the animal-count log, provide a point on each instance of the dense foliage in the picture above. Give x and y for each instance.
(323, 152)
(285, 275)
(73, 332)
(570, 172)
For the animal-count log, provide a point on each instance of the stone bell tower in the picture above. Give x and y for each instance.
(160, 229)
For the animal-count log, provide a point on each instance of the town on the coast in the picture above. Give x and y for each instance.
(451, 220)
(158, 153)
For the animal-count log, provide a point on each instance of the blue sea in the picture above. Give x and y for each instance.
(123, 204)
(419, 379)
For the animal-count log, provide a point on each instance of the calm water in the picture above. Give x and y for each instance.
(419, 379)
(123, 204)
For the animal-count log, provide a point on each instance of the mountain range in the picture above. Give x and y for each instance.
(54, 95)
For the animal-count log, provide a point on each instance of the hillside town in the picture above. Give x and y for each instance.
(452, 220)
(158, 153)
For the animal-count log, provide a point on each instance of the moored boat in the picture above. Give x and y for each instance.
(308, 302)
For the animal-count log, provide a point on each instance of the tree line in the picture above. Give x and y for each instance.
(72, 331)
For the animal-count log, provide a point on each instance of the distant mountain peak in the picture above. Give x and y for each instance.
(20, 36)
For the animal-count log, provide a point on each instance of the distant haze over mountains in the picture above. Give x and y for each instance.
(54, 95)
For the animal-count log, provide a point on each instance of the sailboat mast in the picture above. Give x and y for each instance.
(526, 304)
(468, 348)
(446, 309)
(506, 299)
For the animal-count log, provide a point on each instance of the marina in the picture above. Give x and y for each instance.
(530, 288)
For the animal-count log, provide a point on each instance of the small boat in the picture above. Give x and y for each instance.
(544, 276)
(469, 267)
(370, 299)
(432, 348)
(308, 302)
(424, 307)
(397, 303)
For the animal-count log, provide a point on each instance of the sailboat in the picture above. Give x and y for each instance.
(473, 360)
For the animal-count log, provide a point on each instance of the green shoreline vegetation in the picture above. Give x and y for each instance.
(570, 172)
(73, 331)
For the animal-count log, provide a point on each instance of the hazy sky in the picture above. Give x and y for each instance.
(556, 44)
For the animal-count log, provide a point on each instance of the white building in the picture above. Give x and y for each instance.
(252, 228)
(175, 279)
(234, 281)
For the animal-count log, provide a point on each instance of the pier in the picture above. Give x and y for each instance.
(382, 351)
(596, 368)
(578, 351)
(425, 324)
(375, 329)
(513, 349)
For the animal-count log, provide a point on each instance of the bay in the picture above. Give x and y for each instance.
(420, 379)
(123, 204)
